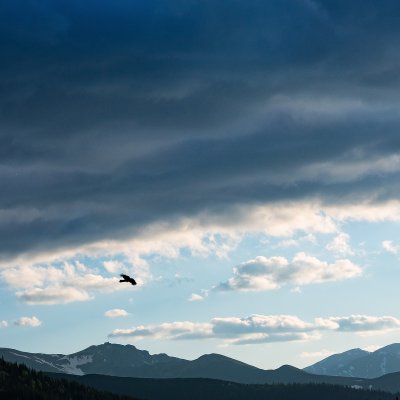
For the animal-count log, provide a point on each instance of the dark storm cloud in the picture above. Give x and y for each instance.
(117, 113)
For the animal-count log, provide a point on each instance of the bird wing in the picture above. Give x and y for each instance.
(126, 277)
(132, 281)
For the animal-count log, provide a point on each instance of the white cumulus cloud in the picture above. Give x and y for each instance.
(28, 321)
(340, 245)
(390, 247)
(264, 273)
(361, 323)
(170, 330)
(263, 329)
(195, 297)
(66, 283)
(113, 266)
(52, 295)
(116, 312)
(3, 324)
(260, 324)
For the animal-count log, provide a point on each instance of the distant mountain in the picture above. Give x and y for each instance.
(334, 364)
(128, 361)
(359, 363)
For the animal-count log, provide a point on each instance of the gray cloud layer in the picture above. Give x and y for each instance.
(117, 114)
(257, 329)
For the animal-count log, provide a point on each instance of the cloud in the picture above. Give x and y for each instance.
(52, 295)
(116, 312)
(191, 118)
(274, 338)
(390, 247)
(173, 330)
(264, 273)
(74, 274)
(202, 235)
(95, 282)
(3, 324)
(27, 276)
(65, 283)
(28, 321)
(257, 329)
(263, 329)
(195, 297)
(340, 245)
(361, 323)
(114, 266)
(260, 324)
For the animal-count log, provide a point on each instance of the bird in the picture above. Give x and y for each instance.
(128, 279)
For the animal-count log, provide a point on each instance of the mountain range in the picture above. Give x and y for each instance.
(19, 382)
(128, 361)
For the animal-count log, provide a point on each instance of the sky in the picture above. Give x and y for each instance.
(240, 159)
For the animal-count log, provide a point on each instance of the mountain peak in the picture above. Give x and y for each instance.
(393, 348)
(211, 356)
(107, 346)
(287, 367)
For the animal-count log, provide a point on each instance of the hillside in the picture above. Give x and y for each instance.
(336, 363)
(22, 383)
(210, 389)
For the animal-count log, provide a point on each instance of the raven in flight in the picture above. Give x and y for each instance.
(128, 279)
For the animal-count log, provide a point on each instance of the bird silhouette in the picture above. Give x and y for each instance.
(128, 279)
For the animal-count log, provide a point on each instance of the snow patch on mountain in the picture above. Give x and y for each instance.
(74, 363)
(19, 355)
(383, 366)
(42, 361)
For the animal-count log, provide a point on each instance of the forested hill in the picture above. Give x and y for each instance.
(212, 389)
(22, 383)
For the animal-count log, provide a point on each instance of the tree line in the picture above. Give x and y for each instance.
(18, 382)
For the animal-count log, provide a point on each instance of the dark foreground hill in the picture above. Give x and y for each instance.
(17, 382)
(211, 389)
